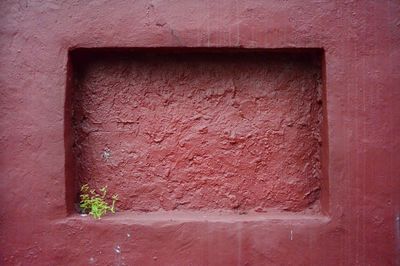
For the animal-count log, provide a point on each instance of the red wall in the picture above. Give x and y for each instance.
(359, 223)
(190, 130)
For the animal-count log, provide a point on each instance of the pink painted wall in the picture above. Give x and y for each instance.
(358, 223)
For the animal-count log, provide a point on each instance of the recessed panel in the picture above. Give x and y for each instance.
(200, 130)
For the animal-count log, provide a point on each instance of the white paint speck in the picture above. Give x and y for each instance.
(128, 235)
(106, 154)
(117, 249)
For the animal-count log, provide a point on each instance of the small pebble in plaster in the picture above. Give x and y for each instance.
(106, 154)
(91, 260)
(128, 235)
(117, 249)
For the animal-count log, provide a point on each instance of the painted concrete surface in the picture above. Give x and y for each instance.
(358, 223)
(169, 130)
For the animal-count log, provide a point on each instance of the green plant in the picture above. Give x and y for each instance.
(95, 204)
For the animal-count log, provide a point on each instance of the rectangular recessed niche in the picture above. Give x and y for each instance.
(198, 129)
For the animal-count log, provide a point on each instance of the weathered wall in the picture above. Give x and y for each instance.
(360, 224)
(199, 131)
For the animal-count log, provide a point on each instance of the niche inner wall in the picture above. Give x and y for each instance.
(200, 131)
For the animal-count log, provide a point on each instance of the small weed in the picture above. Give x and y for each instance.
(95, 204)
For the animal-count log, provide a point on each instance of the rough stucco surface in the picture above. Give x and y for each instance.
(361, 209)
(195, 131)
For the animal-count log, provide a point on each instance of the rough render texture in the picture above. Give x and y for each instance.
(200, 131)
(361, 40)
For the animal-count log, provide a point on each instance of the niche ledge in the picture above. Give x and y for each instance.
(128, 217)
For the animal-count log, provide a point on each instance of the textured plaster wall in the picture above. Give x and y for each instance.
(360, 219)
(200, 131)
